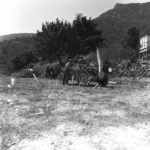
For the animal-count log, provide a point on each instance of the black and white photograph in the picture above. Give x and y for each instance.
(74, 74)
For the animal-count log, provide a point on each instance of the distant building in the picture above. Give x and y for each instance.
(145, 47)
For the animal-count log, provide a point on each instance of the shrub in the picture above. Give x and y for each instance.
(21, 61)
(38, 70)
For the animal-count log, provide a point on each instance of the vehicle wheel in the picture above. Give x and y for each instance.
(104, 81)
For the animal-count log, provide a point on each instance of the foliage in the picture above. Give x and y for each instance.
(13, 47)
(87, 36)
(132, 39)
(17, 53)
(22, 60)
(61, 38)
(52, 41)
(131, 45)
(116, 22)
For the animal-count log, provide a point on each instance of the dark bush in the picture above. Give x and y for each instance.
(56, 70)
(22, 60)
(38, 70)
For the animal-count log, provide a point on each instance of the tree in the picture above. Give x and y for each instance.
(22, 60)
(52, 41)
(87, 36)
(132, 42)
(133, 38)
(15, 47)
(61, 38)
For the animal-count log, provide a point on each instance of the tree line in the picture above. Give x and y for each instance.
(60, 40)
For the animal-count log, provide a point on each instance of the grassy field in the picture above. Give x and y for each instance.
(49, 116)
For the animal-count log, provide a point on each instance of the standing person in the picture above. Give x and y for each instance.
(67, 71)
(47, 71)
(81, 62)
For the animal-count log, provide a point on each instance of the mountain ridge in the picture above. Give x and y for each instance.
(125, 16)
(116, 22)
(14, 35)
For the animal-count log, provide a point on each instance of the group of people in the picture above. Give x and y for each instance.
(68, 66)
(81, 63)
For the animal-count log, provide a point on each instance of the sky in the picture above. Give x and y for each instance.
(27, 16)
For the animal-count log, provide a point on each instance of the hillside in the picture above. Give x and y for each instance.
(114, 25)
(116, 22)
(13, 36)
(12, 46)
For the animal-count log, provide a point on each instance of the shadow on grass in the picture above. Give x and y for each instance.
(91, 85)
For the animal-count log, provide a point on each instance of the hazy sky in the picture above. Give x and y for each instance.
(20, 16)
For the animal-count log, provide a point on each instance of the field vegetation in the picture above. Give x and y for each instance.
(42, 114)
(46, 115)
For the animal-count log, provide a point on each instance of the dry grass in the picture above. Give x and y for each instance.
(82, 112)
